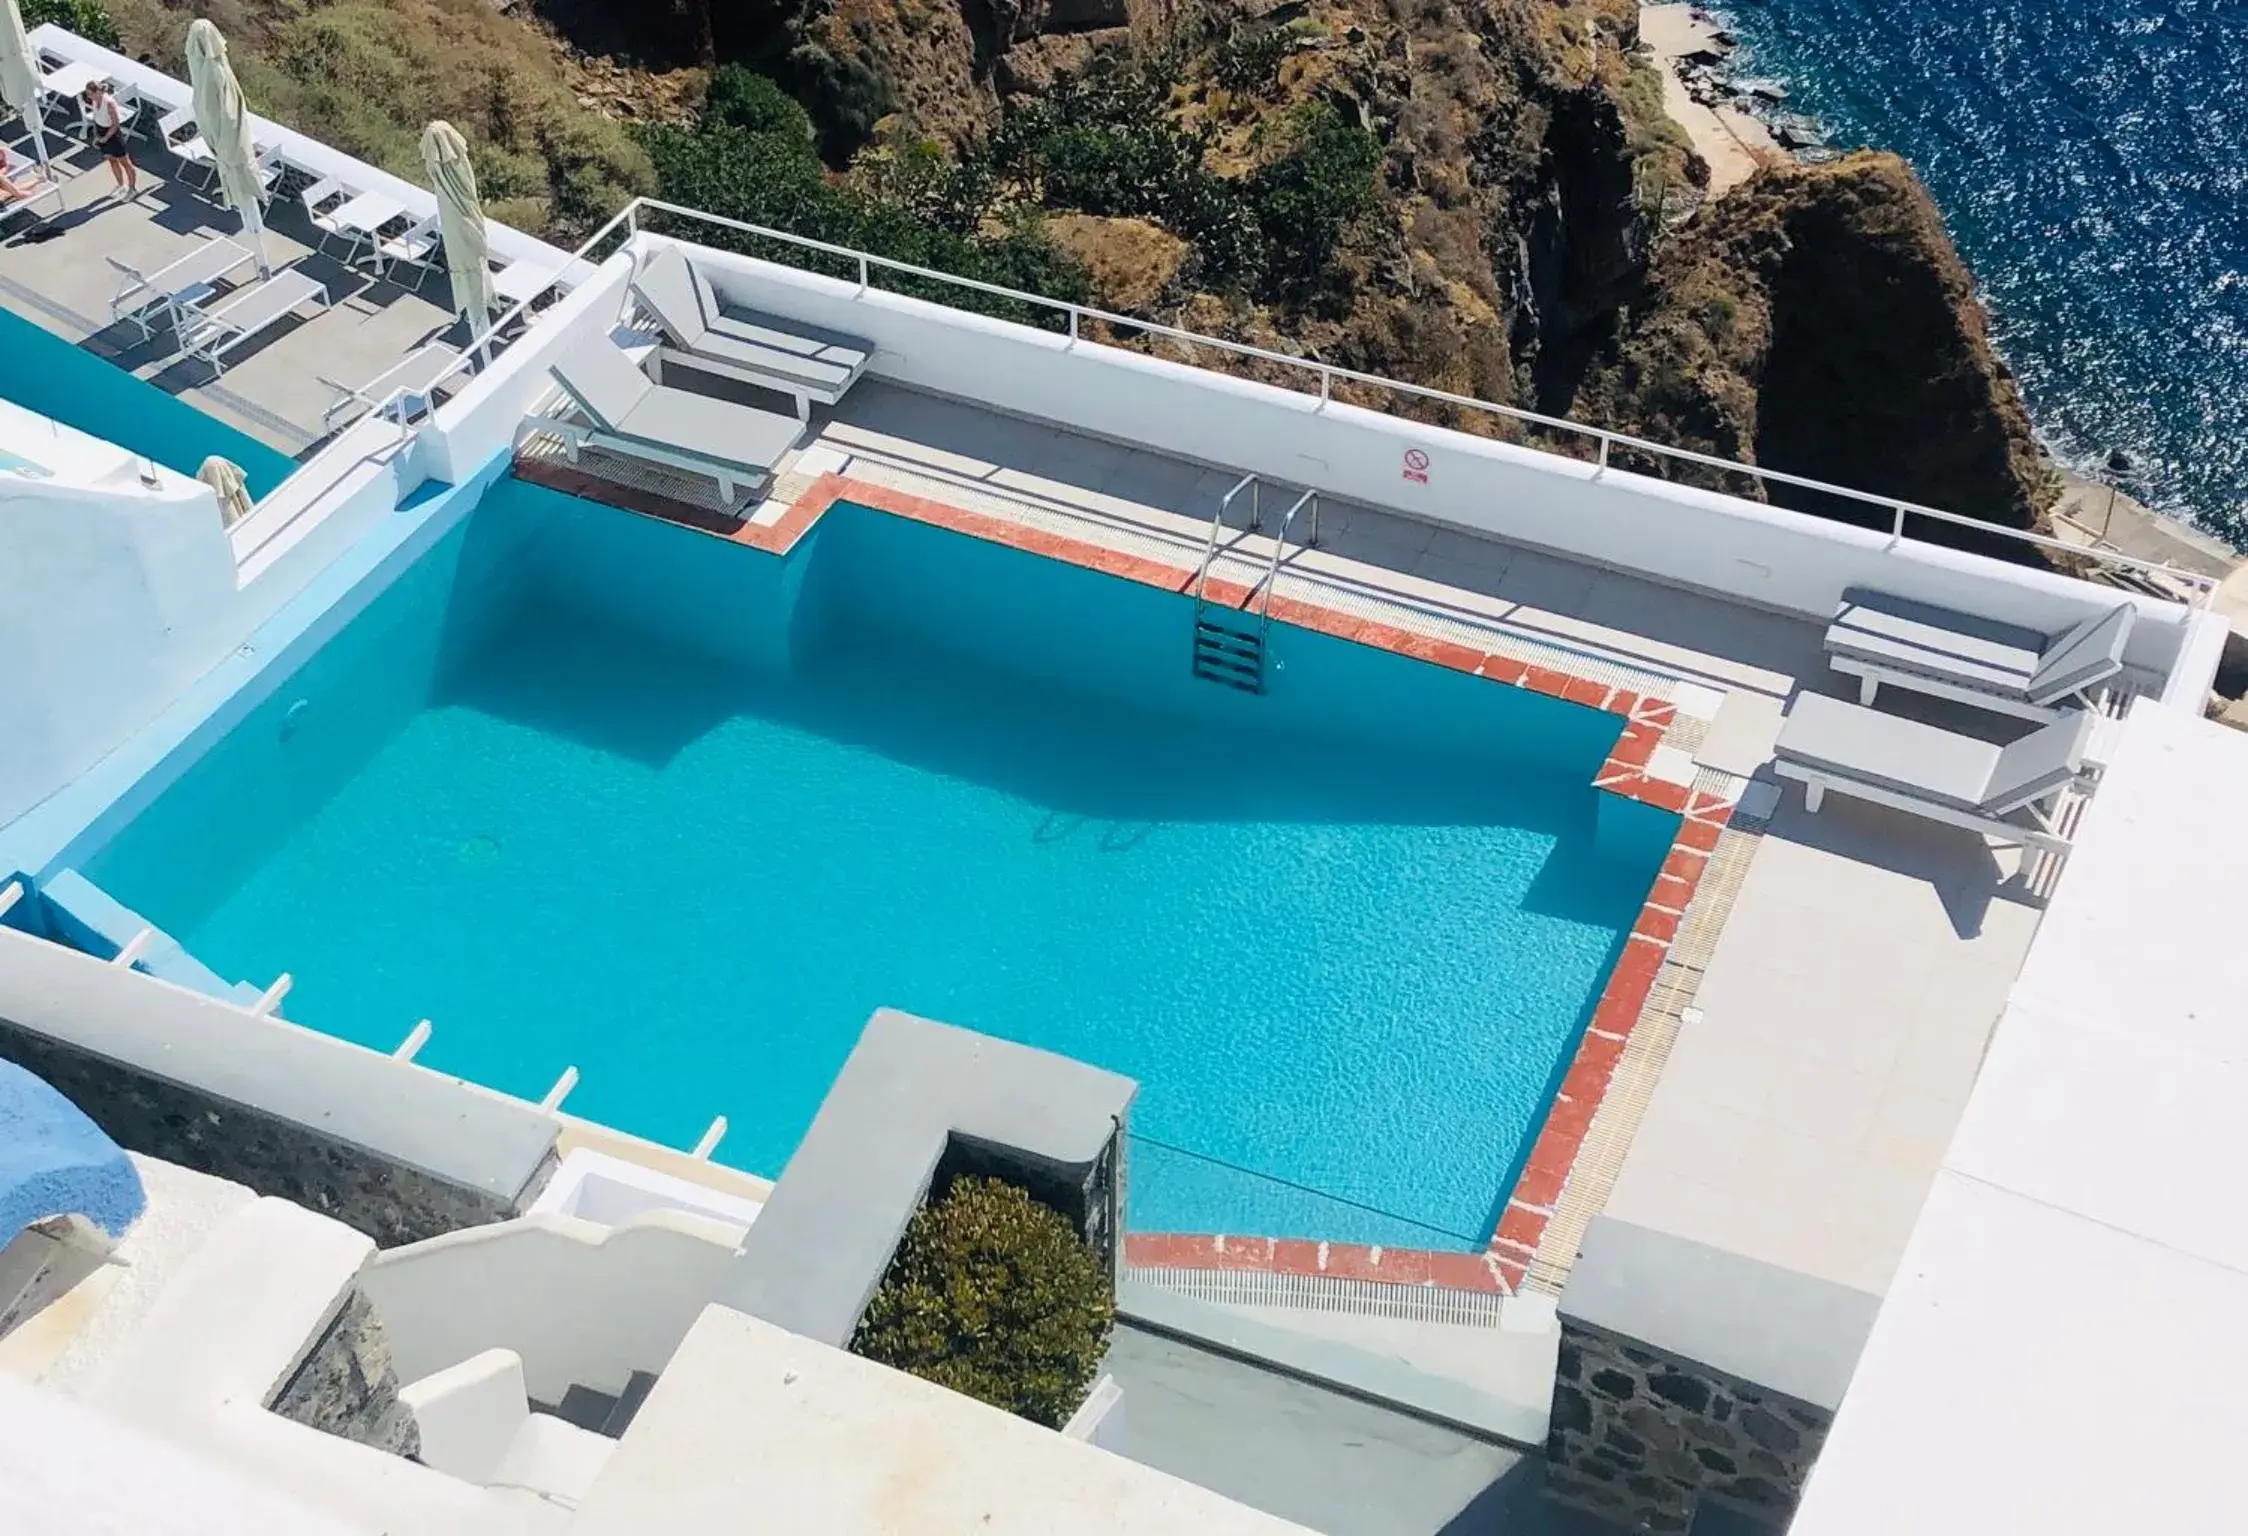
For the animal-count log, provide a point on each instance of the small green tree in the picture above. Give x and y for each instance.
(742, 98)
(1309, 196)
(995, 1296)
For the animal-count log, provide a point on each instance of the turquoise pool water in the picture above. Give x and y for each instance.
(42, 372)
(586, 789)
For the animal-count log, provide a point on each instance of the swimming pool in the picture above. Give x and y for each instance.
(43, 372)
(587, 789)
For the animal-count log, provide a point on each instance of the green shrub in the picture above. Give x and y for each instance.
(1247, 63)
(994, 1295)
(87, 18)
(742, 98)
(909, 205)
(1308, 197)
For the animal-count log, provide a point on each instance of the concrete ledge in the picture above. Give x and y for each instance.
(129, 1048)
(1792, 1333)
(1356, 1372)
(912, 1091)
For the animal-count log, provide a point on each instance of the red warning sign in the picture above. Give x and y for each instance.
(1416, 466)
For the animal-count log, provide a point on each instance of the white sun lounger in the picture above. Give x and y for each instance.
(143, 297)
(697, 334)
(630, 414)
(45, 190)
(416, 375)
(1879, 638)
(211, 334)
(2009, 793)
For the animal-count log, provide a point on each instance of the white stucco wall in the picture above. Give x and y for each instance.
(481, 421)
(581, 1304)
(2062, 1348)
(1763, 555)
(754, 1427)
(112, 596)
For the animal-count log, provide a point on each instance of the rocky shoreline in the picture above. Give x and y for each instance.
(1738, 122)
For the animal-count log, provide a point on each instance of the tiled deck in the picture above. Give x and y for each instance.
(1703, 684)
(271, 386)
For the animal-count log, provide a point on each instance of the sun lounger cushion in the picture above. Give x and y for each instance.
(627, 406)
(689, 313)
(2045, 760)
(818, 346)
(603, 381)
(1899, 635)
(2082, 656)
(1887, 751)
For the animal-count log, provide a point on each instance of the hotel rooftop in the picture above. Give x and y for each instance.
(1883, 1180)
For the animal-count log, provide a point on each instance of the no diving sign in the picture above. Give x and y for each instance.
(1416, 466)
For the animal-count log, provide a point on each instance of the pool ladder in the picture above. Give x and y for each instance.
(1229, 642)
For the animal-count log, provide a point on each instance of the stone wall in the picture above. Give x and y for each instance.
(348, 1387)
(1640, 1437)
(388, 1200)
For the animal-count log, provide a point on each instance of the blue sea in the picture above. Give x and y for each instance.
(2092, 160)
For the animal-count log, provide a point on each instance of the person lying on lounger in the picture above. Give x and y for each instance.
(19, 179)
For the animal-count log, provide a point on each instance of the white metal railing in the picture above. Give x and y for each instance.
(1326, 375)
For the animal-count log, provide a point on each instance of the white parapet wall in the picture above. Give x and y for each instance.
(580, 1304)
(1763, 555)
(115, 580)
(482, 420)
(756, 1428)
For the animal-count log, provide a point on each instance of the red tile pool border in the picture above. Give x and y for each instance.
(1503, 1266)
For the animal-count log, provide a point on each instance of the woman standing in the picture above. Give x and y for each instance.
(108, 121)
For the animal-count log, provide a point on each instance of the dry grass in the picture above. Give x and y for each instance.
(367, 75)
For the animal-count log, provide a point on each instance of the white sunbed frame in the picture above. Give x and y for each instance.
(210, 334)
(417, 372)
(141, 294)
(15, 205)
(2044, 835)
(801, 393)
(1871, 675)
(577, 436)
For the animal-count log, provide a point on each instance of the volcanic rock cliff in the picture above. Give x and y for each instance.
(1540, 234)
(1818, 321)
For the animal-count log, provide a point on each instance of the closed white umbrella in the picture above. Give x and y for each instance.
(230, 485)
(224, 123)
(19, 78)
(467, 254)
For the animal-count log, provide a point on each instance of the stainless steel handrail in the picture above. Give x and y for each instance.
(1263, 595)
(1247, 483)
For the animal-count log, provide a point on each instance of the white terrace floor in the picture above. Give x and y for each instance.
(270, 388)
(1845, 997)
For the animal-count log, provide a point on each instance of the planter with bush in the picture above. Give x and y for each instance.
(994, 1295)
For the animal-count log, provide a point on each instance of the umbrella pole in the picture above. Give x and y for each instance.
(253, 229)
(38, 139)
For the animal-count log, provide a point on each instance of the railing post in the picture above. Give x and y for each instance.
(416, 1038)
(1605, 441)
(560, 1090)
(270, 998)
(710, 1140)
(1314, 541)
(862, 275)
(1073, 322)
(1897, 529)
(1326, 380)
